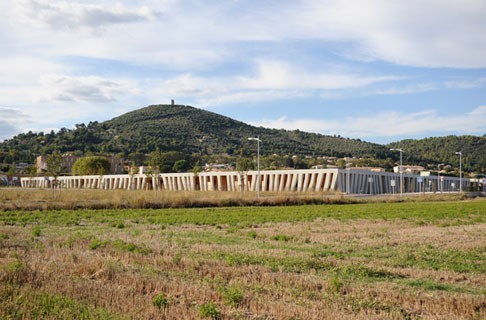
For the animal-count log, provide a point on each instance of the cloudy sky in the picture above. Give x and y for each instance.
(376, 70)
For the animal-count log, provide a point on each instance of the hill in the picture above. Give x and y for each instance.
(439, 150)
(185, 129)
(190, 130)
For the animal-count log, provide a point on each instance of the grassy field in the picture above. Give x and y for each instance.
(408, 260)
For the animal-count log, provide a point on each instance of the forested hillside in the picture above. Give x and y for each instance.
(184, 129)
(192, 131)
(440, 150)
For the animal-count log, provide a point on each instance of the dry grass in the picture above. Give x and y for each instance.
(323, 268)
(70, 199)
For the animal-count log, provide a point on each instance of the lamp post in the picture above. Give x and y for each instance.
(401, 170)
(439, 183)
(460, 170)
(257, 139)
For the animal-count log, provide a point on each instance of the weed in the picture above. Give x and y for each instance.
(36, 231)
(335, 284)
(130, 247)
(33, 304)
(176, 259)
(232, 296)
(430, 285)
(96, 243)
(252, 234)
(15, 272)
(160, 301)
(209, 310)
(282, 237)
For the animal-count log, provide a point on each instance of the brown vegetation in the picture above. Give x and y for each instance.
(46, 199)
(319, 269)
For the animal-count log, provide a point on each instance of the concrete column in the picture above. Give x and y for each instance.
(293, 181)
(173, 181)
(144, 181)
(307, 178)
(253, 182)
(183, 185)
(202, 179)
(219, 185)
(312, 184)
(300, 182)
(320, 176)
(281, 183)
(276, 182)
(327, 182)
(231, 182)
(205, 183)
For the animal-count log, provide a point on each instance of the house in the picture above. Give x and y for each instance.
(409, 169)
(117, 165)
(217, 167)
(68, 160)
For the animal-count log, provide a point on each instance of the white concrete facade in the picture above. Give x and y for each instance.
(312, 180)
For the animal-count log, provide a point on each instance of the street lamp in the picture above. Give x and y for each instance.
(257, 139)
(439, 183)
(401, 170)
(460, 170)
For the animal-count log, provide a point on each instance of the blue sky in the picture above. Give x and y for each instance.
(376, 70)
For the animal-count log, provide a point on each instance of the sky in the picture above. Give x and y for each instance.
(377, 70)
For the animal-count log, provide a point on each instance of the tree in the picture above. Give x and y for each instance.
(55, 167)
(155, 163)
(94, 165)
(243, 164)
(156, 160)
(180, 166)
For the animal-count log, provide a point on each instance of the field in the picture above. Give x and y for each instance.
(404, 260)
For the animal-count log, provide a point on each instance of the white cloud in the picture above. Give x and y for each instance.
(24, 70)
(11, 120)
(388, 124)
(407, 89)
(466, 83)
(430, 33)
(74, 15)
(82, 89)
(255, 96)
(226, 53)
(272, 80)
(281, 75)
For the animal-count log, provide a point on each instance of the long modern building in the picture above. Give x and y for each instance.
(313, 180)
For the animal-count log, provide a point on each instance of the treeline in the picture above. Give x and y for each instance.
(196, 136)
(442, 150)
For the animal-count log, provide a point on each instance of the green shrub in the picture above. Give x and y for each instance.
(95, 244)
(94, 165)
(232, 296)
(36, 231)
(281, 237)
(252, 234)
(335, 284)
(209, 310)
(160, 301)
